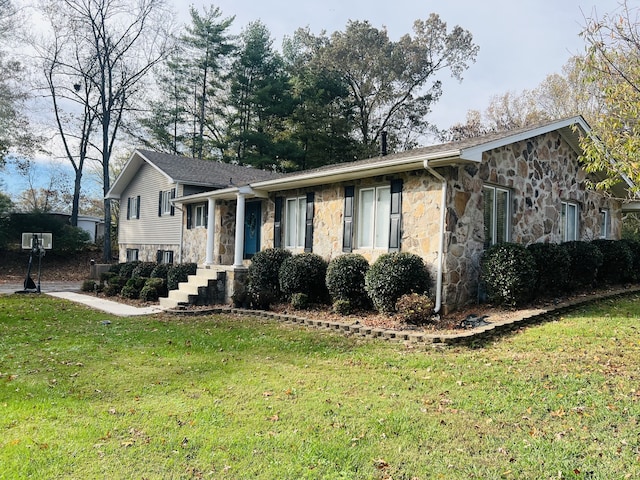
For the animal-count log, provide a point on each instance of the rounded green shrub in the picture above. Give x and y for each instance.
(552, 262)
(345, 279)
(617, 261)
(342, 307)
(263, 284)
(160, 271)
(509, 273)
(586, 258)
(179, 273)
(393, 275)
(143, 269)
(126, 269)
(304, 273)
(634, 248)
(88, 286)
(153, 289)
(414, 308)
(115, 268)
(300, 301)
(114, 285)
(133, 287)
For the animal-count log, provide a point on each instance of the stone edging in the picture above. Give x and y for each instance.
(419, 337)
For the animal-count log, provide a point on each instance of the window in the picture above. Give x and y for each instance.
(133, 207)
(200, 217)
(132, 254)
(294, 222)
(164, 256)
(374, 210)
(496, 215)
(604, 223)
(569, 221)
(164, 203)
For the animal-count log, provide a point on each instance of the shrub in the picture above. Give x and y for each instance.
(114, 285)
(300, 301)
(153, 289)
(345, 279)
(179, 273)
(342, 307)
(617, 261)
(552, 262)
(160, 271)
(143, 269)
(634, 248)
(126, 269)
(586, 258)
(115, 268)
(393, 275)
(88, 286)
(263, 285)
(304, 273)
(414, 308)
(509, 272)
(133, 287)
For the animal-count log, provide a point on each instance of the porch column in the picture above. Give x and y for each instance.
(239, 244)
(211, 229)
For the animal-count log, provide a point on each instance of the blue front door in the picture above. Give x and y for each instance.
(252, 223)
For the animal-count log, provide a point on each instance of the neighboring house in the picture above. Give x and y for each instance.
(446, 203)
(150, 227)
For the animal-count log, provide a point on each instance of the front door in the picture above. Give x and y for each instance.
(252, 223)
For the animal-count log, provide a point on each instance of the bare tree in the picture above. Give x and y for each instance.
(95, 68)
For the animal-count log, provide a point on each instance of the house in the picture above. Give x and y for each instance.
(150, 227)
(446, 203)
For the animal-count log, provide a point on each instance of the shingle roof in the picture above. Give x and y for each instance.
(205, 172)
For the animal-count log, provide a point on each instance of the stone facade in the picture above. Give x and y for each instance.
(146, 252)
(539, 173)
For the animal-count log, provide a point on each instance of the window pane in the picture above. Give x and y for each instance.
(502, 215)
(291, 215)
(604, 224)
(563, 222)
(383, 210)
(302, 216)
(365, 218)
(572, 220)
(488, 194)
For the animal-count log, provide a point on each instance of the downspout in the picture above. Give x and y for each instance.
(181, 225)
(443, 214)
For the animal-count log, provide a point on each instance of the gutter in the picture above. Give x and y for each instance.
(443, 210)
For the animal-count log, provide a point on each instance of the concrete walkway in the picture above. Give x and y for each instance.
(71, 291)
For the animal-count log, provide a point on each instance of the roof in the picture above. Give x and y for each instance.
(189, 171)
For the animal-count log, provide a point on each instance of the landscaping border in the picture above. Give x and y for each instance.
(464, 337)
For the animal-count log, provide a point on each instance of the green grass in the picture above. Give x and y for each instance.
(234, 397)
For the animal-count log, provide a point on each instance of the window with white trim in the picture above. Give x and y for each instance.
(373, 217)
(165, 204)
(295, 211)
(569, 221)
(604, 223)
(200, 216)
(496, 215)
(133, 207)
(132, 254)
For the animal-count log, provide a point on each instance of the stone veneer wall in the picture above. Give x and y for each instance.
(146, 253)
(540, 173)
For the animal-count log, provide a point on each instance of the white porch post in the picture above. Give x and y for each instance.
(210, 230)
(239, 243)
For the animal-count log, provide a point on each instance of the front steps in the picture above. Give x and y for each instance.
(206, 287)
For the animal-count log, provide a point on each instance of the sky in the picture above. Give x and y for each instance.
(521, 41)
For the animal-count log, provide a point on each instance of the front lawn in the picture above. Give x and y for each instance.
(87, 395)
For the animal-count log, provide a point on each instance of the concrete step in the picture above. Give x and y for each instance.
(203, 288)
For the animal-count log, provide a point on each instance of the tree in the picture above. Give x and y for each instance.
(394, 84)
(261, 100)
(101, 53)
(613, 67)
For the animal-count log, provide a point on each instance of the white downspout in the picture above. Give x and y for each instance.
(443, 216)
(181, 224)
(211, 206)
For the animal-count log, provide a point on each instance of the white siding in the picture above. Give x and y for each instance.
(149, 229)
